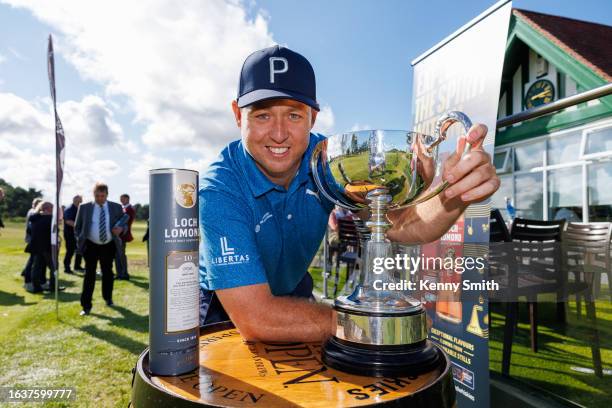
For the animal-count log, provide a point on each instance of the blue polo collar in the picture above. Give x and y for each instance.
(260, 184)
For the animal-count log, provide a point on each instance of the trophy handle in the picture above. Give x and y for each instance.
(442, 124)
(314, 161)
(446, 121)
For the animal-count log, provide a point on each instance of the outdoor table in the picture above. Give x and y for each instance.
(235, 373)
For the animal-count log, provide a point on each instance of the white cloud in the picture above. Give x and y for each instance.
(80, 174)
(325, 121)
(2, 58)
(358, 126)
(28, 168)
(198, 164)
(27, 155)
(21, 120)
(139, 176)
(90, 122)
(178, 66)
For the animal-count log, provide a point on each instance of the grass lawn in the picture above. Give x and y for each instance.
(560, 348)
(93, 354)
(317, 279)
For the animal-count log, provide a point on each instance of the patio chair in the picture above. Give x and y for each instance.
(536, 253)
(498, 254)
(498, 232)
(586, 251)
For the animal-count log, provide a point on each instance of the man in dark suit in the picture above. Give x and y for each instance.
(40, 249)
(71, 246)
(94, 229)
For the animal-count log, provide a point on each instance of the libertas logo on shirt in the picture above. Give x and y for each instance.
(228, 255)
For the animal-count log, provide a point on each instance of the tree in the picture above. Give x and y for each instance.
(142, 211)
(17, 200)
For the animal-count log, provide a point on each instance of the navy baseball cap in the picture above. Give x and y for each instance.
(277, 73)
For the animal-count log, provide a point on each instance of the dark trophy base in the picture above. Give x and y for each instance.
(381, 361)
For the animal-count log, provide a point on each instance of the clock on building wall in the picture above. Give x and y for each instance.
(540, 92)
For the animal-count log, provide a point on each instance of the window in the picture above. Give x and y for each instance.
(498, 200)
(565, 148)
(565, 194)
(529, 156)
(501, 161)
(600, 191)
(576, 165)
(529, 198)
(597, 142)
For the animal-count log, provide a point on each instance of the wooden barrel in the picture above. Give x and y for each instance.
(235, 373)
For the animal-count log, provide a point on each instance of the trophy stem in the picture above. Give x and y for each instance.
(379, 223)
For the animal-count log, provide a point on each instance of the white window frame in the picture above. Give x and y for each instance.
(525, 143)
(504, 169)
(582, 163)
(585, 134)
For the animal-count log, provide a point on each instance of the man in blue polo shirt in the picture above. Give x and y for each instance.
(261, 215)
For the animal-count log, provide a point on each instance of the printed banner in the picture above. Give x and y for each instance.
(462, 73)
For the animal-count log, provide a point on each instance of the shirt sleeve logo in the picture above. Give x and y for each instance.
(228, 255)
(225, 249)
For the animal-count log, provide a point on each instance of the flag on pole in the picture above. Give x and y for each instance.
(60, 144)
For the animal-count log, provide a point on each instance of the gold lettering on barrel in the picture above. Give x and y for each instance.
(379, 388)
(204, 341)
(259, 363)
(228, 393)
(302, 359)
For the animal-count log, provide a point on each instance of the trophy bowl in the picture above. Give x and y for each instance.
(348, 166)
(381, 332)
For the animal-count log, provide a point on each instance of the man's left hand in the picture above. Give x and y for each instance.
(472, 178)
(117, 230)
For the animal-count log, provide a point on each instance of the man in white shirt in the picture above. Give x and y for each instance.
(94, 230)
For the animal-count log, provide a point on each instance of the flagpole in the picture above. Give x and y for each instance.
(59, 172)
(57, 219)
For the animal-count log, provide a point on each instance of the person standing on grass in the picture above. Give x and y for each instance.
(27, 270)
(94, 229)
(40, 248)
(69, 237)
(121, 265)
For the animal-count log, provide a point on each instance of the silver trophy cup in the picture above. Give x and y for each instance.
(381, 332)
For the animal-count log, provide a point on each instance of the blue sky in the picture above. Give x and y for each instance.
(147, 84)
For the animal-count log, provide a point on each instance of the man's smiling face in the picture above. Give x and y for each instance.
(276, 134)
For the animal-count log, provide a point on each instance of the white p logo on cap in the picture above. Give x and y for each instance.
(274, 71)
